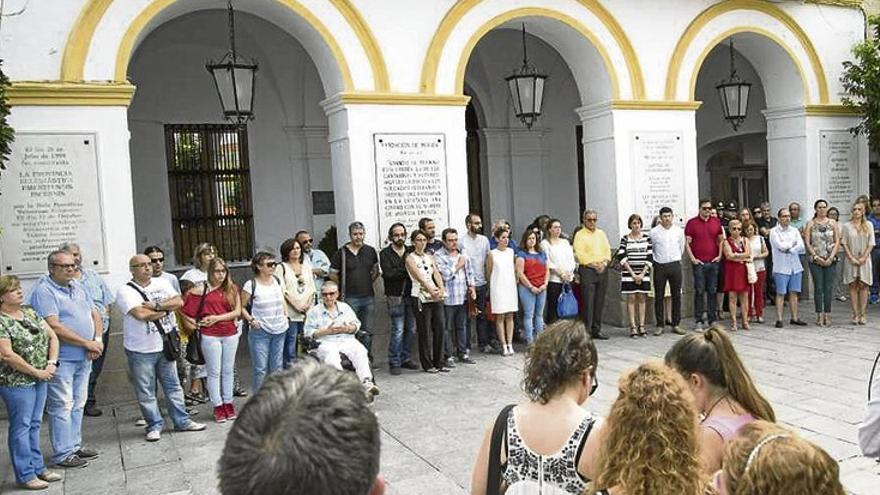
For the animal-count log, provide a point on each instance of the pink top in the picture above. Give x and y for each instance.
(727, 426)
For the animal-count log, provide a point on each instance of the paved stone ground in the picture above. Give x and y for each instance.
(432, 424)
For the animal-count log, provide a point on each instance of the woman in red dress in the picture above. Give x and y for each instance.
(736, 281)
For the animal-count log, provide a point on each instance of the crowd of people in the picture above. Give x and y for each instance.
(53, 341)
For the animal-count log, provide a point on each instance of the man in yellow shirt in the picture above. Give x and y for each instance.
(593, 253)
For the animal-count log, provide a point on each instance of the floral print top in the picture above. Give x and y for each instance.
(29, 340)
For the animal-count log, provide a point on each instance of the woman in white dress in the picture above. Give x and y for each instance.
(501, 272)
(560, 259)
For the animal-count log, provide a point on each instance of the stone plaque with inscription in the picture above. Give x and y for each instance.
(658, 173)
(50, 195)
(411, 179)
(839, 168)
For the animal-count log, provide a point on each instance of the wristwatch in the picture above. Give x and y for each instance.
(156, 306)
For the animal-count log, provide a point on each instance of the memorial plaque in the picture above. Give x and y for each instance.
(839, 168)
(50, 195)
(658, 173)
(411, 179)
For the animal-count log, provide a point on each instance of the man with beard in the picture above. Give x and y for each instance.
(400, 303)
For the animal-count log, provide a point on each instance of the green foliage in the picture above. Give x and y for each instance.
(328, 243)
(7, 134)
(861, 83)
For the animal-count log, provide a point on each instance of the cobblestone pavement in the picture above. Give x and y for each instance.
(815, 378)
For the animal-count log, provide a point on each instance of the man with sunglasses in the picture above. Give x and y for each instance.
(333, 324)
(62, 301)
(157, 262)
(703, 237)
(319, 260)
(593, 254)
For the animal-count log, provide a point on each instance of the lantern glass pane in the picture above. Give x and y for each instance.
(224, 81)
(514, 95)
(244, 86)
(526, 88)
(539, 94)
(733, 100)
(744, 100)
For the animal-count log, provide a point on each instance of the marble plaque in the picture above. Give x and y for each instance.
(658, 174)
(51, 194)
(839, 168)
(411, 180)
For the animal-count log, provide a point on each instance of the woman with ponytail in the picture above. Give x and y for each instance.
(725, 394)
(766, 459)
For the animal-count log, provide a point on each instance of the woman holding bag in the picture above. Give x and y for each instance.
(736, 281)
(295, 271)
(759, 254)
(560, 260)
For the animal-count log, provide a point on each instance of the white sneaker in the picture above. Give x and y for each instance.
(153, 435)
(140, 422)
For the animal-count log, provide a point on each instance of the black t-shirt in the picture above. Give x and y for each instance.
(358, 274)
(394, 273)
(766, 223)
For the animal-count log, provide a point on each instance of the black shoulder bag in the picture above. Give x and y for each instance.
(499, 434)
(194, 343)
(170, 340)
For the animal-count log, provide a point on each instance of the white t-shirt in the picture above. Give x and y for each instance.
(143, 336)
(267, 306)
(195, 276)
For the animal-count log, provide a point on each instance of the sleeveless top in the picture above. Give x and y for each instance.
(727, 426)
(822, 239)
(528, 473)
(427, 268)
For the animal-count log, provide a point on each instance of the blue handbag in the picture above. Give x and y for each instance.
(567, 306)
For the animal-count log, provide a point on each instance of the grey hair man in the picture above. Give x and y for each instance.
(309, 429)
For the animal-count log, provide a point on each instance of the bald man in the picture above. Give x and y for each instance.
(148, 304)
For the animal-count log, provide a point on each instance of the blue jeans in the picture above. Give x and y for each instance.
(294, 328)
(67, 393)
(24, 406)
(220, 364)
(705, 285)
(403, 329)
(267, 351)
(457, 327)
(533, 312)
(145, 370)
(365, 309)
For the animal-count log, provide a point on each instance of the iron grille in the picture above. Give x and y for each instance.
(210, 187)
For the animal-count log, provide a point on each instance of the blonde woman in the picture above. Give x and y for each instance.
(202, 256)
(767, 459)
(858, 240)
(650, 440)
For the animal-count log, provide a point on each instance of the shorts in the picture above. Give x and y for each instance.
(786, 283)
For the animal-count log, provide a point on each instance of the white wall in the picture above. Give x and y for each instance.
(528, 172)
(174, 87)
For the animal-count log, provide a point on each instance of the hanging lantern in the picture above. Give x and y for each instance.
(234, 79)
(734, 95)
(526, 87)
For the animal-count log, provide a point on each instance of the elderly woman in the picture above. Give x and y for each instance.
(548, 447)
(29, 357)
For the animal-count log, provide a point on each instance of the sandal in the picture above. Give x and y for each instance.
(820, 320)
(863, 320)
(733, 327)
(642, 332)
(746, 326)
(633, 333)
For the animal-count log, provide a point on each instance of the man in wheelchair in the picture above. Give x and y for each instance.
(333, 324)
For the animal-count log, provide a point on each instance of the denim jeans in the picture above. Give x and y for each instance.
(705, 285)
(484, 332)
(220, 363)
(267, 351)
(66, 398)
(456, 329)
(403, 329)
(98, 364)
(823, 286)
(875, 267)
(294, 328)
(533, 311)
(145, 371)
(365, 309)
(24, 406)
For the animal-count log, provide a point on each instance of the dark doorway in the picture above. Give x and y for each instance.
(579, 145)
(475, 189)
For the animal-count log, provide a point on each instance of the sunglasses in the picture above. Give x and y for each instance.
(594, 384)
(270, 264)
(157, 260)
(306, 241)
(33, 329)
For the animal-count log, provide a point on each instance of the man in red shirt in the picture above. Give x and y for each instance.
(703, 236)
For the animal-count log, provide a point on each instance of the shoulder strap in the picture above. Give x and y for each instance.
(342, 276)
(202, 302)
(583, 442)
(493, 481)
(147, 299)
(250, 303)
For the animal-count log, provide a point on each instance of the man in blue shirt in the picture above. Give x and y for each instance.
(458, 277)
(66, 307)
(874, 218)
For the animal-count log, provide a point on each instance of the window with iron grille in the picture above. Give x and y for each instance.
(210, 186)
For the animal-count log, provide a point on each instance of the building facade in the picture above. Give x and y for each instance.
(373, 111)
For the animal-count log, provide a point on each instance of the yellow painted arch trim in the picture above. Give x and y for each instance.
(79, 41)
(692, 87)
(717, 10)
(462, 7)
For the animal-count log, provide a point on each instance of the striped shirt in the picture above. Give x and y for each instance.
(267, 306)
(457, 282)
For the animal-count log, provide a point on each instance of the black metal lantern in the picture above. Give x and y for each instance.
(234, 79)
(526, 87)
(734, 94)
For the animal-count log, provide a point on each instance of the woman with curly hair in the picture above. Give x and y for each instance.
(545, 442)
(650, 440)
(766, 459)
(724, 393)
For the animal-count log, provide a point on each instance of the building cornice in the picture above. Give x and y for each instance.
(63, 93)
